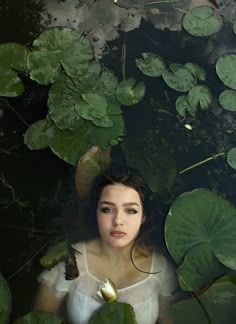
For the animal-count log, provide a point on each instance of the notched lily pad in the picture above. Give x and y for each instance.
(182, 106)
(226, 70)
(196, 70)
(128, 93)
(201, 21)
(151, 64)
(39, 135)
(178, 78)
(200, 95)
(231, 158)
(10, 84)
(97, 104)
(227, 100)
(57, 48)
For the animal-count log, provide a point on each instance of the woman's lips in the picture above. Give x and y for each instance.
(117, 234)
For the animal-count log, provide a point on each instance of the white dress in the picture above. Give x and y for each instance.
(82, 299)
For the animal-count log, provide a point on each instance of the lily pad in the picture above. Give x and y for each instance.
(10, 84)
(93, 162)
(226, 70)
(54, 254)
(198, 218)
(151, 156)
(196, 70)
(97, 104)
(128, 93)
(201, 21)
(182, 106)
(105, 121)
(200, 95)
(227, 100)
(219, 300)
(70, 146)
(151, 64)
(107, 84)
(178, 78)
(115, 313)
(199, 268)
(234, 28)
(90, 77)
(39, 135)
(13, 56)
(57, 48)
(5, 297)
(39, 318)
(231, 158)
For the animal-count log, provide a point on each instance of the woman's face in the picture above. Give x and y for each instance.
(119, 214)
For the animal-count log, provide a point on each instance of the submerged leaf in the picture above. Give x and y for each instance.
(5, 304)
(93, 162)
(200, 21)
(39, 135)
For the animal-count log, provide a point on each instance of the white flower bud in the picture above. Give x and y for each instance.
(107, 290)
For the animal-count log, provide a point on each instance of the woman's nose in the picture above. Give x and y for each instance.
(118, 219)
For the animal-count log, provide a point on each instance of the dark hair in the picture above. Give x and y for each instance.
(122, 175)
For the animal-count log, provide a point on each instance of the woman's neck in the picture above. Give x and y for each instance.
(115, 253)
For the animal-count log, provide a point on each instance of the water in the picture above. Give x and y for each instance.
(36, 185)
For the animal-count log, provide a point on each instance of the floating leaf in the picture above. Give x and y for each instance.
(10, 84)
(55, 48)
(39, 135)
(234, 28)
(182, 106)
(90, 77)
(106, 121)
(196, 70)
(226, 70)
(93, 162)
(114, 107)
(128, 93)
(5, 298)
(201, 95)
(227, 100)
(151, 155)
(199, 268)
(200, 21)
(107, 84)
(198, 218)
(179, 78)
(219, 300)
(13, 55)
(115, 313)
(39, 318)
(97, 105)
(70, 146)
(231, 158)
(151, 64)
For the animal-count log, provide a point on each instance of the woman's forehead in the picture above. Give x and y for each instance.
(116, 192)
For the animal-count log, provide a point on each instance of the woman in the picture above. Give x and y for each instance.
(120, 200)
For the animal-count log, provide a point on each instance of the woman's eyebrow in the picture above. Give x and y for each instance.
(125, 204)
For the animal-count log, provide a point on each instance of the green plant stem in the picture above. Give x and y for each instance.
(202, 162)
(203, 308)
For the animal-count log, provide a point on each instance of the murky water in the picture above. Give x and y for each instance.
(35, 185)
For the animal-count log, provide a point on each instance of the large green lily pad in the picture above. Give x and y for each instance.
(151, 64)
(128, 93)
(199, 268)
(151, 155)
(39, 318)
(115, 313)
(5, 304)
(93, 162)
(226, 70)
(201, 21)
(70, 146)
(227, 100)
(198, 218)
(200, 95)
(57, 48)
(39, 134)
(179, 78)
(219, 301)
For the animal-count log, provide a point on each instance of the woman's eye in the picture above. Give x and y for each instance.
(106, 209)
(131, 211)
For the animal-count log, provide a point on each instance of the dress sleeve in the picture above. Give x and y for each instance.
(55, 280)
(167, 277)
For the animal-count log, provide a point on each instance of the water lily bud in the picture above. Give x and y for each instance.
(107, 290)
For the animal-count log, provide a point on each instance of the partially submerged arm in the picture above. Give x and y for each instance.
(46, 300)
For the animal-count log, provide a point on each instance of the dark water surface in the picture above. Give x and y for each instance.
(36, 185)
